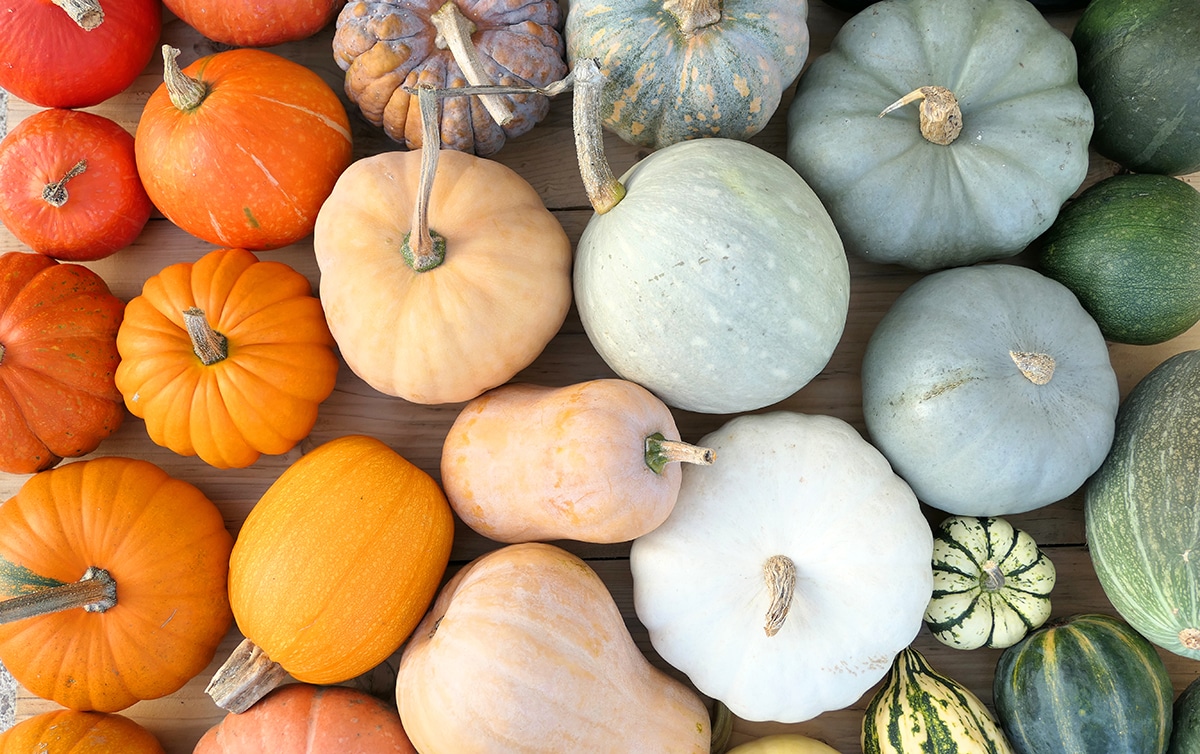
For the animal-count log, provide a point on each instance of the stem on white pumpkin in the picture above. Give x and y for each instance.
(939, 115)
(454, 32)
(994, 577)
(780, 574)
(423, 248)
(55, 194)
(86, 13)
(660, 451)
(210, 346)
(245, 677)
(95, 593)
(186, 93)
(603, 189)
(1038, 368)
(692, 15)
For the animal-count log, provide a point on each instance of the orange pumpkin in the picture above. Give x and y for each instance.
(58, 353)
(301, 718)
(146, 554)
(241, 147)
(72, 732)
(259, 23)
(226, 358)
(333, 568)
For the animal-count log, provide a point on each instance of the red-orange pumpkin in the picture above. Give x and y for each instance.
(72, 732)
(58, 354)
(226, 358)
(148, 553)
(242, 147)
(301, 718)
(256, 23)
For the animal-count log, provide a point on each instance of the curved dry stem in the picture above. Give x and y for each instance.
(939, 115)
(780, 574)
(454, 33)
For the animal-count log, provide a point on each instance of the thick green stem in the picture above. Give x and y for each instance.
(660, 451)
(186, 93)
(210, 346)
(939, 116)
(95, 592)
(55, 193)
(424, 248)
(693, 15)
(454, 32)
(86, 13)
(603, 189)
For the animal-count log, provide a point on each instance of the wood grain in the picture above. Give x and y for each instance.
(545, 157)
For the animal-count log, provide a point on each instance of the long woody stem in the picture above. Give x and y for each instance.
(603, 189)
(660, 451)
(186, 93)
(454, 33)
(87, 13)
(95, 592)
(423, 248)
(55, 194)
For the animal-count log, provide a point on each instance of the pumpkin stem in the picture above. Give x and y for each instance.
(1038, 368)
(660, 451)
(780, 573)
(245, 677)
(55, 193)
(1190, 638)
(939, 114)
(454, 32)
(995, 577)
(86, 13)
(95, 592)
(186, 93)
(692, 15)
(210, 346)
(429, 249)
(604, 191)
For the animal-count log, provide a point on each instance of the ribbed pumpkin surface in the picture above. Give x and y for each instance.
(1087, 684)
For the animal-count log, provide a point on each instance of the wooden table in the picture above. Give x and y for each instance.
(545, 157)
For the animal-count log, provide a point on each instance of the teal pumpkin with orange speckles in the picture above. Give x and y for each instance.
(688, 69)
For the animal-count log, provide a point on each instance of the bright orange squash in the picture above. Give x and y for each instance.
(226, 358)
(147, 554)
(333, 568)
(72, 732)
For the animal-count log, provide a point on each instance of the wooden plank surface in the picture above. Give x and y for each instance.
(545, 157)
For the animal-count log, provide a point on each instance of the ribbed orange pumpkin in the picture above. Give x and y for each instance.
(58, 353)
(226, 358)
(241, 147)
(92, 528)
(301, 718)
(333, 568)
(72, 732)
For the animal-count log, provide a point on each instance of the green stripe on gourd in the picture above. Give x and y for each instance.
(991, 583)
(919, 710)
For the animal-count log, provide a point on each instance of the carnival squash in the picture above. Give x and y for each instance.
(226, 358)
(710, 273)
(1086, 683)
(597, 461)
(69, 186)
(58, 352)
(770, 560)
(257, 23)
(991, 583)
(686, 69)
(990, 390)
(1142, 505)
(525, 652)
(241, 147)
(443, 321)
(301, 718)
(391, 46)
(333, 567)
(114, 579)
(75, 53)
(1007, 125)
(71, 732)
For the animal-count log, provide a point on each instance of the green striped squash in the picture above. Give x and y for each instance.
(991, 583)
(1142, 508)
(1088, 684)
(920, 711)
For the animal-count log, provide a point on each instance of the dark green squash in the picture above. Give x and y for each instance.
(1088, 684)
(1139, 63)
(1129, 249)
(1185, 723)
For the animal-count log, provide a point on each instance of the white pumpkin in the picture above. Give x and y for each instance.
(797, 498)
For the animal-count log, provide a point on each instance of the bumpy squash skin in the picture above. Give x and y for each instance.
(665, 84)
(1142, 505)
(1129, 248)
(1088, 683)
(1139, 63)
(72, 732)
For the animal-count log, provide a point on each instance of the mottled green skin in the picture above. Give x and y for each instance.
(1185, 723)
(665, 86)
(1142, 507)
(1129, 248)
(1086, 685)
(1139, 63)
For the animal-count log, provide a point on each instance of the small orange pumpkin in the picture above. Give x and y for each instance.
(226, 358)
(333, 568)
(133, 563)
(73, 732)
